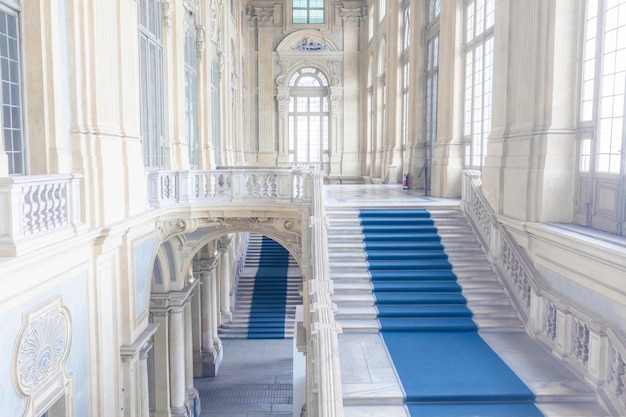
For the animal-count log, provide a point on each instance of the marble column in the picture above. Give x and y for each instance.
(177, 361)
(225, 276)
(191, 391)
(211, 358)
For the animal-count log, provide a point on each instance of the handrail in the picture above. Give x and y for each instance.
(573, 335)
(324, 396)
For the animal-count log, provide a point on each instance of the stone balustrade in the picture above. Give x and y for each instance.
(578, 338)
(230, 185)
(34, 206)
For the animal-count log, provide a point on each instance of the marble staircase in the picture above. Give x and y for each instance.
(369, 383)
(237, 328)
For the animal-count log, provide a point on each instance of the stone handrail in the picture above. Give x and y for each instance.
(324, 397)
(234, 184)
(37, 205)
(574, 336)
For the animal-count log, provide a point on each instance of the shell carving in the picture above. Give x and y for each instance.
(42, 350)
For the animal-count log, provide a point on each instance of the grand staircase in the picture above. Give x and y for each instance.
(265, 315)
(353, 290)
(370, 382)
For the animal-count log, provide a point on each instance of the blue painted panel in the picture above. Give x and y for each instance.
(143, 265)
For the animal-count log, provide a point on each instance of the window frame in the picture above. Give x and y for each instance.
(16, 112)
(478, 96)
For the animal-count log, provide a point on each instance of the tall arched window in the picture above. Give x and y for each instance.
(601, 190)
(308, 116)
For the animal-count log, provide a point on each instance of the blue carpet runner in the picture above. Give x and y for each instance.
(269, 297)
(445, 367)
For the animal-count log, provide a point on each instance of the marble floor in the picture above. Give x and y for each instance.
(255, 380)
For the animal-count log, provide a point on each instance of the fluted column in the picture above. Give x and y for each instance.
(223, 246)
(177, 361)
(215, 314)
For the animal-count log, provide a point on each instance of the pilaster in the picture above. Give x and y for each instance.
(265, 81)
(349, 149)
(135, 374)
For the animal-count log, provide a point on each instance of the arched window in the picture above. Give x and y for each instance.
(601, 190)
(308, 116)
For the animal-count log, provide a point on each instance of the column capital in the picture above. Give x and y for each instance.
(224, 243)
(352, 16)
(205, 265)
(264, 16)
(140, 346)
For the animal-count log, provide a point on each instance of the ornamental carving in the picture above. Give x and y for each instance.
(42, 348)
(215, 23)
(310, 45)
(264, 16)
(167, 9)
(353, 16)
(237, 223)
(581, 342)
(549, 323)
(617, 376)
(515, 271)
(176, 226)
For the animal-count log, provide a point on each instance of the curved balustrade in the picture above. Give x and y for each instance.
(582, 342)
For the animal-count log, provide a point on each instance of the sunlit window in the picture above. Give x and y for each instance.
(308, 117)
(10, 73)
(151, 83)
(479, 45)
(308, 11)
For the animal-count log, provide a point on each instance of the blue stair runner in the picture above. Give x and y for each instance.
(445, 367)
(269, 297)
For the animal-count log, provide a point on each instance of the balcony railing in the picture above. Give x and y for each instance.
(36, 206)
(239, 185)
